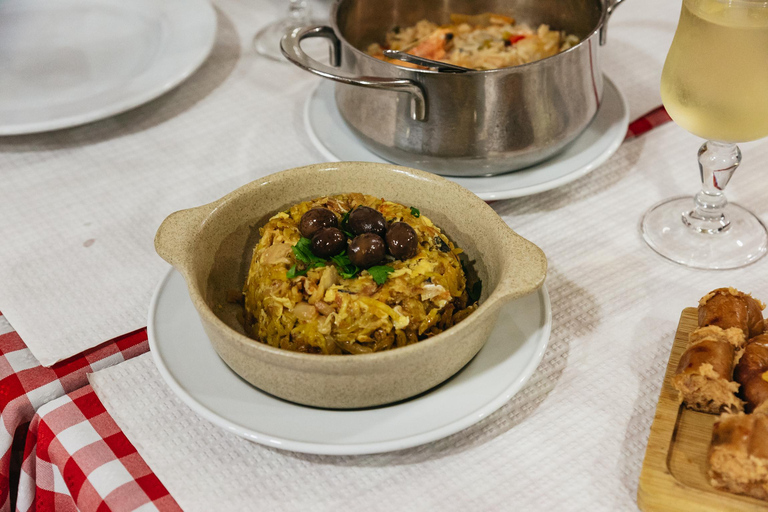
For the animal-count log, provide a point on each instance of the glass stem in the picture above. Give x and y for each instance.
(298, 12)
(717, 163)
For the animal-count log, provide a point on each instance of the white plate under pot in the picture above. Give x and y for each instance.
(336, 142)
(64, 63)
(193, 370)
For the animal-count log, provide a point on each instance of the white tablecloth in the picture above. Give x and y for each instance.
(79, 207)
(572, 439)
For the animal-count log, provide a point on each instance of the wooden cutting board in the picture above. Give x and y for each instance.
(674, 474)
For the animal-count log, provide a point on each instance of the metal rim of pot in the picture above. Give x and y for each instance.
(290, 45)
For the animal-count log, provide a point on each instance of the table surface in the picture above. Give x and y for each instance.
(573, 438)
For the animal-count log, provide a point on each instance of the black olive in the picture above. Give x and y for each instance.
(315, 220)
(402, 241)
(366, 220)
(328, 242)
(449, 36)
(366, 250)
(507, 42)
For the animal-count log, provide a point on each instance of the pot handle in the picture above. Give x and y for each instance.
(290, 44)
(612, 5)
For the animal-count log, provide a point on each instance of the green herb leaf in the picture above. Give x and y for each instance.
(301, 251)
(344, 225)
(475, 291)
(346, 269)
(342, 259)
(380, 273)
(415, 212)
(304, 254)
(292, 272)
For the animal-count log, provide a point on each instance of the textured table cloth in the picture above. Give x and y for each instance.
(572, 439)
(73, 436)
(80, 207)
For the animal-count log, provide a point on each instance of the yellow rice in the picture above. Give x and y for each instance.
(324, 313)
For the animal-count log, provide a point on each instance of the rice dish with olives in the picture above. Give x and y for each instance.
(485, 41)
(360, 296)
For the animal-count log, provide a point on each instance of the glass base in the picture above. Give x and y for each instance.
(266, 42)
(743, 242)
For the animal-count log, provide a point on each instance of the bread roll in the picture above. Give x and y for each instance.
(728, 307)
(734, 336)
(738, 455)
(703, 377)
(751, 372)
(755, 316)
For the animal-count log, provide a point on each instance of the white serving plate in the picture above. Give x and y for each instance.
(195, 373)
(69, 62)
(336, 142)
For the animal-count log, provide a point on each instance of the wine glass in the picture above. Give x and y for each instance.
(267, 40)
(714, 85)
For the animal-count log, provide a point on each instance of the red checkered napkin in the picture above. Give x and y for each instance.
(648, 122)
(77, 458)
(25, 385)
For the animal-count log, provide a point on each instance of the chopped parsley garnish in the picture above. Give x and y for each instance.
(474, 291)
(292, 272)
(380, 273)
(344, 225)
(346, 269)
(415, 212)
(304, 254)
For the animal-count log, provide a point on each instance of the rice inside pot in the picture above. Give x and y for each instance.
(482, 42)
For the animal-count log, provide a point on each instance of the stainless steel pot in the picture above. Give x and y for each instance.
(461, 124)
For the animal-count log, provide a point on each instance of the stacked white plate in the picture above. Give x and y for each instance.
(69, 62)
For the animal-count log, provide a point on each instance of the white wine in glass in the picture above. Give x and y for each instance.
(714, 85)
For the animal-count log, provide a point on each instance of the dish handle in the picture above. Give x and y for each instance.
(290, 45)
(178, 232)
(524, 271)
